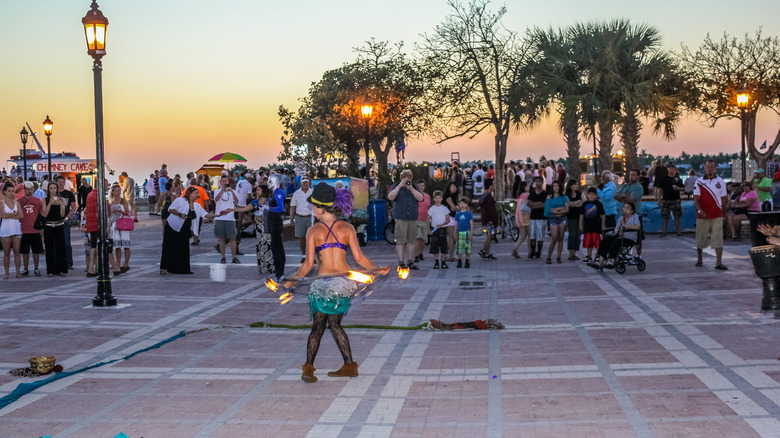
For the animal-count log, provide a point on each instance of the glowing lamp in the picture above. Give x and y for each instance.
(366, 111)
(95, 24)
(47, 126)
(743, 99)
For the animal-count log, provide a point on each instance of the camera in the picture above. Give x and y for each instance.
(408, 183)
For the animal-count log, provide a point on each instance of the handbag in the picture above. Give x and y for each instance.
(125, 224)
(40, 222)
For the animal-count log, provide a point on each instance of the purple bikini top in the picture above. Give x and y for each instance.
(335, 244)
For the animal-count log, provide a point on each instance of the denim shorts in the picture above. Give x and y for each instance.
(558, 220)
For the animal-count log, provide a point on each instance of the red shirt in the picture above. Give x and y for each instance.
(91, 212)
(30, 207)
(710, 193)
(491, 173)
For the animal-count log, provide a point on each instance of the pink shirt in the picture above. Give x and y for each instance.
(422, 208)
(751, 198)
(30, 208)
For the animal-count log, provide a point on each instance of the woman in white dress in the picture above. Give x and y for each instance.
(118, 209)
(10, 229)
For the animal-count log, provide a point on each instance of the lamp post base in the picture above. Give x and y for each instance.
(104, 302)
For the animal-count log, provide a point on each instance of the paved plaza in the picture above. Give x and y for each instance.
(675, 351)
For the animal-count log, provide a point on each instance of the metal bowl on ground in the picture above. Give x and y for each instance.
(42, 364)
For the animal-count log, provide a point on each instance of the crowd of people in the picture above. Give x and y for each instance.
(37, 219)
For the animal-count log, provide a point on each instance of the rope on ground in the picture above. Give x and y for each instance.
(26, 388)
(350, 326)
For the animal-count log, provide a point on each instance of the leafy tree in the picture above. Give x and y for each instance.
(718, 69)
(476, 65)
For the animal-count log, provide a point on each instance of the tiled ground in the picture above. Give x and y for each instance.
(675, 351)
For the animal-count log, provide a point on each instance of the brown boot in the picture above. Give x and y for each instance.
(308, 373)
(346, 370)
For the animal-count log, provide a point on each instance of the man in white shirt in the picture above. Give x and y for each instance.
(225, 225)
(300, 213)
(151, 193)
(243, 190)
(479, 181)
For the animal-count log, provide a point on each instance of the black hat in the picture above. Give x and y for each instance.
(323, 195)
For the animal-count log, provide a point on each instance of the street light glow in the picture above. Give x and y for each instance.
(366, 110)
(743, 99)
(47, 126)
(95, 24)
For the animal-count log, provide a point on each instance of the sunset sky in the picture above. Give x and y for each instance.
(187, 79)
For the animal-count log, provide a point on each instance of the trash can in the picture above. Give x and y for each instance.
(770, 218)
(377, 219)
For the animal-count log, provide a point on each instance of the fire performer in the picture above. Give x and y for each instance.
(329, 298)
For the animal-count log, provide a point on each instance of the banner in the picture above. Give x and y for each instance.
(63, 166)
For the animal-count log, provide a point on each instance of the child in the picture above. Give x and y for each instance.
(465, 221)
(438, 217)
(591, 223)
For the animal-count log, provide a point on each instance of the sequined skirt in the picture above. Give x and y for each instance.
(331, 295)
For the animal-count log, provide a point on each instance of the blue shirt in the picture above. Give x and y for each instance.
(162, 181)
(607, 198)
(276, 202)
(464, 218)
(557, 202)
(405, 204)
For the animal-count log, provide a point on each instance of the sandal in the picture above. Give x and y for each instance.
(235, 260)
(549, 261)
(721, 267)
(223, 261)
(558, 260)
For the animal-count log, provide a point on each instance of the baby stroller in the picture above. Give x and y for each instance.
(624, 258)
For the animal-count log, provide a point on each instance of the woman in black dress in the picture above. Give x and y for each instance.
(54, 232)
(176, 237)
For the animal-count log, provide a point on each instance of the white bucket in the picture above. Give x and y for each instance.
(218, 272)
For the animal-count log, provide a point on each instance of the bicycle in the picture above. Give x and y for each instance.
(506, 218)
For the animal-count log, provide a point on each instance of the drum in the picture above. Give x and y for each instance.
(766, 263)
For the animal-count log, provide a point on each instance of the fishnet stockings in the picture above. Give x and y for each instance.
(318, 329)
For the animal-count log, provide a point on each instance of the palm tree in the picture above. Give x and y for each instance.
(561, 77)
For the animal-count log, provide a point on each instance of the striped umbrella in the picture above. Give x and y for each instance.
(228, 157)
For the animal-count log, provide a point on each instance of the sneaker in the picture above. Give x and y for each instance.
(37, 272)
(25, 273)
(401, 266)
(490, 257)
(413, 267)
(467, 265)
(531, 256)
(482, 254)
(587, 260)
(444, 265)
(436, 265)
(460, 264)
(421, 257)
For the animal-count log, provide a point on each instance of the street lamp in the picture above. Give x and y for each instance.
(743, 103)
(23, 134)
(95, 24)
(365, 111)
(47, 127)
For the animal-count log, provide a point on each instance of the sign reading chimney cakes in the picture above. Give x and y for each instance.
(69, 166)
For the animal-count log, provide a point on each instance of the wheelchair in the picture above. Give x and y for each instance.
(623, 259)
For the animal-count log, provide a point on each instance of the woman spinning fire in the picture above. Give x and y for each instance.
(329, 298)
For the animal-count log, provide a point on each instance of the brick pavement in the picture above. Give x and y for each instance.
(673, 351)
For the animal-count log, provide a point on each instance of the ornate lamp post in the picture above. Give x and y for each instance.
(47, 127)
(23, 134)
(365, 111)
(95, 24)
(743, 102)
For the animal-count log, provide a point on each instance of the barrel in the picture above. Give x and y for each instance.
(377, 219)
(766, 263)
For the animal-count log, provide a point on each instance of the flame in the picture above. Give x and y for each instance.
(271, 284)
(360, 277)
(403, 274)
(285, 298)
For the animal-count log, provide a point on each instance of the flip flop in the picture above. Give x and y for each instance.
(721, 267)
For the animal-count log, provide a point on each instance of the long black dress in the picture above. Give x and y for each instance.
(54, 239)
(176, 247)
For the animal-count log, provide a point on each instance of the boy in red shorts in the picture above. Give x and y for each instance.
(591, 223)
